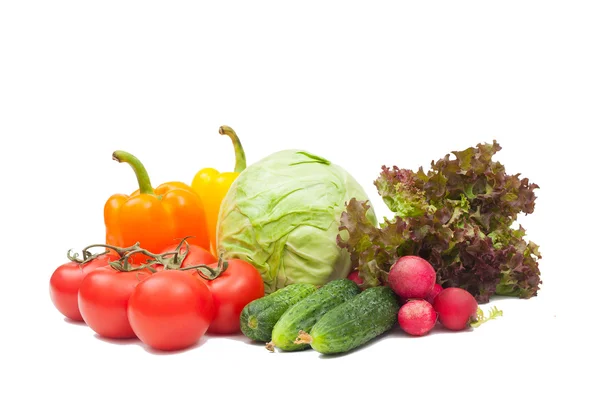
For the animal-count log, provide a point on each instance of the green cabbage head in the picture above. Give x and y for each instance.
(282, 214)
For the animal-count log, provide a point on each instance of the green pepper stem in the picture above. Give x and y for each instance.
(240, 155)
(140, 172)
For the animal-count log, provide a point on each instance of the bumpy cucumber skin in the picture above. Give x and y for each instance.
(306, 312)
(355, 322)
(265, 311)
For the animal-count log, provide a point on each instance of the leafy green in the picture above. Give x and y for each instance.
(494, 313)
(459, 216)
(282, 215)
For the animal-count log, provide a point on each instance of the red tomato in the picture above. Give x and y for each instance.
(65, 282)
(239, 284)
(103, 298)
(171, 310)
(196, 255)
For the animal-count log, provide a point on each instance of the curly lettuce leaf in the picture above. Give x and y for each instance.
(520, 272)
(399, 190)
(458, 216)
(494, 197)
(493, 314)
(371, 248)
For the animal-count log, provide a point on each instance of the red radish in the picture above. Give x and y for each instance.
(411, 277)
(417, 317)
(456, 308)
(355, 277)
(437, 288)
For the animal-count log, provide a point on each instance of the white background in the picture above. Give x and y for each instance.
(362, 84)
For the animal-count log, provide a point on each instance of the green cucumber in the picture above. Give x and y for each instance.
(259, 316)
(355, 322)
(306, 312)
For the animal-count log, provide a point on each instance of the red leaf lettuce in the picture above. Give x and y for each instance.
(459, 216)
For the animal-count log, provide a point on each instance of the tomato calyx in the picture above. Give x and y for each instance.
(136, 258)
(124, 264)
(169, 260)
(173, 259)
(207, 272)
(87, 256)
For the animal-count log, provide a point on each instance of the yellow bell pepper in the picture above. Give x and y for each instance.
(212, 185)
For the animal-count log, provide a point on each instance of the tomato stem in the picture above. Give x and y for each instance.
(176, 256)
(169, 260)
(240, 155)
(123, 264)
(140, 171)
(172, 259)
(207, 272)
(88, 256)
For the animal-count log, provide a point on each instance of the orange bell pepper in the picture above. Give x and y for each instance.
(212, 185)
(154, 217)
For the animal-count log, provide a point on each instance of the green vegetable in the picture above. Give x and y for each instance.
(493, 314)
(259, 316)
(355, 322)
(282, 214)
(305, 313)
(459, 216)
